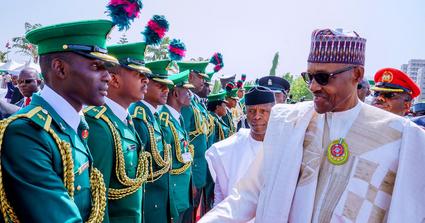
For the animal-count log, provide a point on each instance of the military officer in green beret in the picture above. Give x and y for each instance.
(176, 135)
(196, 123)
(116, 148)
(47, 169)
(145, 115)
(218, 110)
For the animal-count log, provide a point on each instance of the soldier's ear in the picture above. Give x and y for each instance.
(115, 81)
(59, 66)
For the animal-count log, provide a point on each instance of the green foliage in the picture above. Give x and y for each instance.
(22, 45)
(289, 77)
(299, 89)
(159, 52)
(3, 56)
(275, 62)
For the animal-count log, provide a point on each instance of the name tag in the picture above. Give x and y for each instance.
(187, 157)
(83, 168)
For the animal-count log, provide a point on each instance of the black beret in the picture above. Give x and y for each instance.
(259, 95)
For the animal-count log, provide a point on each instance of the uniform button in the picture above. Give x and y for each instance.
(78, 187)
(156, 206)
(195, 165)
(175, 185)
(131, 163)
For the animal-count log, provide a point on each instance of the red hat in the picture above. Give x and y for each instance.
(393, 80)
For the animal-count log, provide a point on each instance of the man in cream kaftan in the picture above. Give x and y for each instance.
(292, 179)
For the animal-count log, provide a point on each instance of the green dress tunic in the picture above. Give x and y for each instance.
(32, 167)
(156, 208)
(105, 148)
(181, 172)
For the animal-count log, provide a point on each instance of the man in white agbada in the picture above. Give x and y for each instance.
(335, 159)
(229, 159)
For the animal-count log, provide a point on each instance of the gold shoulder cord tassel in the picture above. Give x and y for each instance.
(98, 189)
(164, 163)
(177, 147)
(211, 125)
(142, 167)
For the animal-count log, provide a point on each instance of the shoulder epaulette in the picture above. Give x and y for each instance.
(139, 113)
(94, 111)
(164, 117)
(38, 116)
(41, 117)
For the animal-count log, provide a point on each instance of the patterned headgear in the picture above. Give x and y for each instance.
(334, 46)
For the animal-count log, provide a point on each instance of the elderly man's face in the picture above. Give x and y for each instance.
(339, 94)
(258, 117)
(397, 103)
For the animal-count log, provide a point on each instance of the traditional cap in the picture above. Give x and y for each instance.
(159, 70)
(87, 38)
(259, 95)
(249, 86)
(393, 80)
(197, 66)
(275, 83)
(220, 96)
(131, 56)
(181, 79)
(334, 46)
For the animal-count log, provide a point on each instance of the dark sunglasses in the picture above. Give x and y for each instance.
(359, 86)
(322, 77)
(27, 81)
(387, 95)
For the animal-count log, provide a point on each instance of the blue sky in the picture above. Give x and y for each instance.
(247, 32)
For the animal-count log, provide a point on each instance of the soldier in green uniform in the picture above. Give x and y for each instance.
(156, 207)
(218, 110)
(176, 135)
(231, 112)
(196, 123)
(47, 169)
(116, 148)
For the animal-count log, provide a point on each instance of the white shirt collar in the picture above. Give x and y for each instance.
(62, 107)
(151, 108)
(174, 113)
(117, 109)
(339, 123)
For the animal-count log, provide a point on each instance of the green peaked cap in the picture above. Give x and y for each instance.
(181, 79)
(130, 55)
(85, 37)
(232, 94)
(159, 71)
(198, 66)
(220, 96)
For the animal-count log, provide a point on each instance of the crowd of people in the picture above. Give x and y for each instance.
(102, 136)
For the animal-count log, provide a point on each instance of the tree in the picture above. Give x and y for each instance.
(289, 77)
(299, 89)
(158, 52)
(275, 62)
(123, 39)
(3, 56)
(23, 46)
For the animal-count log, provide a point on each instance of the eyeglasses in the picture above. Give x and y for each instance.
(26, 81)
(322, 77)
(387, 95)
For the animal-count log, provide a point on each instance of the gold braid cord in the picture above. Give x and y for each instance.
(177, 147)
(220, 131)
(164, 163)
(211, 125)
(132, 185)
(98, 189)
(200, 124)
